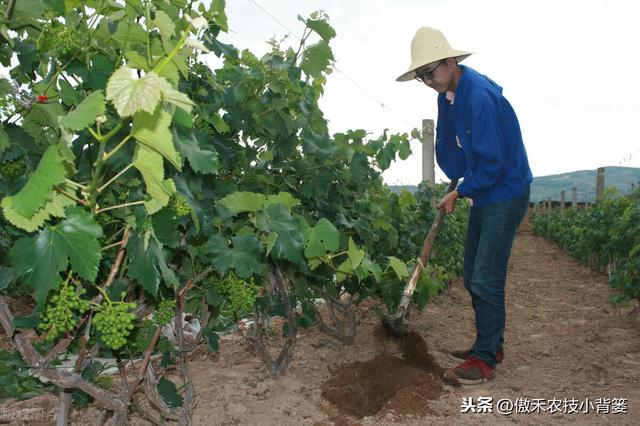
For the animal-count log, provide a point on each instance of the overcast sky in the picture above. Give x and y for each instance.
(569, 68)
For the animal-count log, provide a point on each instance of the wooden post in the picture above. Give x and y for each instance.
(574, 197)
(549, 205)
(562, 203)
(600, 184)
(428, 155)
(428, 163)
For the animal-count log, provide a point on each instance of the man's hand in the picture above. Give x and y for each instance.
(449, 201)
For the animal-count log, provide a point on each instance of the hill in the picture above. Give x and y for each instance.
(543, 187)
(619, 178)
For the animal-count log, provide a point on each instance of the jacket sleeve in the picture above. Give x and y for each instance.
(485, 143)
(450, 157)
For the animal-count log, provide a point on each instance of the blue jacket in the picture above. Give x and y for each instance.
(493, 160)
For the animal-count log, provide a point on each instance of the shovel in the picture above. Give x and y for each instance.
(398, 324)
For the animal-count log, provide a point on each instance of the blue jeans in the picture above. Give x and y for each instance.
(490, 235)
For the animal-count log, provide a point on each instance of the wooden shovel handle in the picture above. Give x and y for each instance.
(427, 245)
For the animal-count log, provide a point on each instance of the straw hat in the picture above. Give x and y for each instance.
(429, 45)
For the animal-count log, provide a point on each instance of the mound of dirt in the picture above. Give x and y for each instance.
(387, 384)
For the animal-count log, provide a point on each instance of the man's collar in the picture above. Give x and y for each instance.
(450, 96)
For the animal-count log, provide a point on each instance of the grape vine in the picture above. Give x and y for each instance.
(131, 168)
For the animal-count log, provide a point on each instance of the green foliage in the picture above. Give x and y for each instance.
(38, 190)
(16, 380)
(244, 256)
(604, 236)
(124, 144)
(41, 258)
(169, 393)
(86, 112)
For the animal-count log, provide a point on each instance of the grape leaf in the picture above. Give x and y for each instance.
(242, 201)
(85, 114)
(322, 28)
(183, 119)
(68, 93)
(276, 218)
(147, 264)
(6, 277)
(399, 267)
(201, 160)
(322, 238)
(270, 241)
(316, 59)
(54, 208)
(130, 32)
(152, 131)
(79, 234)
(355, 255)
(154, 205)
(149, 164)
(219, 124)
(344, 270)
(171, 95)
(141, 265)
(38, 189)
(40, 258)
(219, 15)
(165, 227)
(164, 24)
(284, 198)
(136, 60)
(130, 95)
(45, 114)
(34, 9)
(101, 69)
(169, 393)
(317, 144)
(243, 257)
(368, 266)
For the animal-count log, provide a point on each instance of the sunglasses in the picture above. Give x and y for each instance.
(428, 74)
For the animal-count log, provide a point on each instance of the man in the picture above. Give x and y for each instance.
(478, 139)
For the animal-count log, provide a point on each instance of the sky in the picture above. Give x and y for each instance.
(568, 67)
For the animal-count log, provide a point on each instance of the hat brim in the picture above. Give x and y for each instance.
(411, 74)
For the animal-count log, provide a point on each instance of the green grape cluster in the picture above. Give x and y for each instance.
(114, 321)
(13, 168)
(179, 205)
(164, 312)
(61, 40)
(59, 316)
(241, 294)
(201, 124)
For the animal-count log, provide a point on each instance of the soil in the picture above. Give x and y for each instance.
(563, 341)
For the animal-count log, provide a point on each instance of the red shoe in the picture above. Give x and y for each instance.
(474, 371)
(464, 355)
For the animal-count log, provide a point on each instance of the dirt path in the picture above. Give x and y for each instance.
(564, 342)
